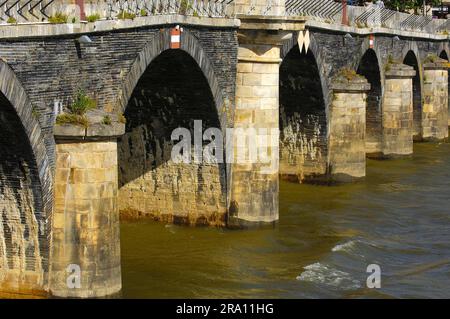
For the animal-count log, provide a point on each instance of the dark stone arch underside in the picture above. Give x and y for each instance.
(172, 93)
(303, 120)
(411, 60)
(369, 68)
(444, 56)
(22, 244)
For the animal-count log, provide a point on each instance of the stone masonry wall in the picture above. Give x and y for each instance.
(171, 94)
(23, 242)
(347, 148)
(303, 119)
(435, 107)
(52, 69)
(398, 111)
(86, 219)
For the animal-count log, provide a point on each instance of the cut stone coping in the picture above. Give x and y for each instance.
(95, 131)
(260, 22)
(399, 70)
(373, 30)
(438, 64)
(342, 84)
(46, 29)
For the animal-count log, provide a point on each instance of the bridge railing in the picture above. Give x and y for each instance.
(22, 11)
(200, 8)
(330, 11)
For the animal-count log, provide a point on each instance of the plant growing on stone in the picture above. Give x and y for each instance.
(348, 74)
(123, 15)
(121, 118)
(93, 17)
(11, 20)
(67, 118)
(143, 13)
(185, 6)
(106, 120)
(82, 103)
(431, 58)
(77, 110)
(58, 18)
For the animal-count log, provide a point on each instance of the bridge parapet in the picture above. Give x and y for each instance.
(331, 12)
(32, 11)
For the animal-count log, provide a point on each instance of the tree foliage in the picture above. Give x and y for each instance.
(402, 5)
(406, 5)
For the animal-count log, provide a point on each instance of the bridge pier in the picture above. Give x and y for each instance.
(254, 185)
(398, 111)
(435, 100)
(86, 242)
(347, 129)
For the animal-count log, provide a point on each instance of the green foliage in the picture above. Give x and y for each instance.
(143, 13)
(406, 5)
(11, 20)
(185, 6)
(431, 58)
(348, 74)
(82, 103)
(77, 110)
(58, 17)
(126, 15)
(106, 120)
(93, 17)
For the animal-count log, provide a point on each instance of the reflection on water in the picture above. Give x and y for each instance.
(398, 218)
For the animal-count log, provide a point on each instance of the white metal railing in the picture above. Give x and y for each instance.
(361, 17)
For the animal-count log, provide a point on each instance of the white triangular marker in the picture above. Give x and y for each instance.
(300, 41)
(307, 41)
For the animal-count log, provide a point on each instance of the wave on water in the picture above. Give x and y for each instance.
(323, 274)
(348, 246)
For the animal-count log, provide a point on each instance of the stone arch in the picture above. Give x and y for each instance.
(412, 59)
(369, 66)
(26, 183)
(303, 114)
(377, 49)
(177, 87)
(319, 58)
(191, 45)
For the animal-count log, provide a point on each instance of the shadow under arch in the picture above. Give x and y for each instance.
(412, 60)
(171, 93)
(369, 67)
(444, 55)
(303, 117)
(26, 191)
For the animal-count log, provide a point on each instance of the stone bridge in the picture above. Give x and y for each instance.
(333, 88)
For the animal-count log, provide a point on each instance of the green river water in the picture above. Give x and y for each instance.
(398, 218)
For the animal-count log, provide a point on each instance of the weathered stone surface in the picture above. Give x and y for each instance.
(172, 93)
(303, 120)
(86, 219)
(253, 191)
(398, 111)
(435, 101)
(347, 144)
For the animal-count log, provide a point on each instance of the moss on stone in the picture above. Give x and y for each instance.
(58, 18)
(75, 119)
(93, 17)
(123, 15)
